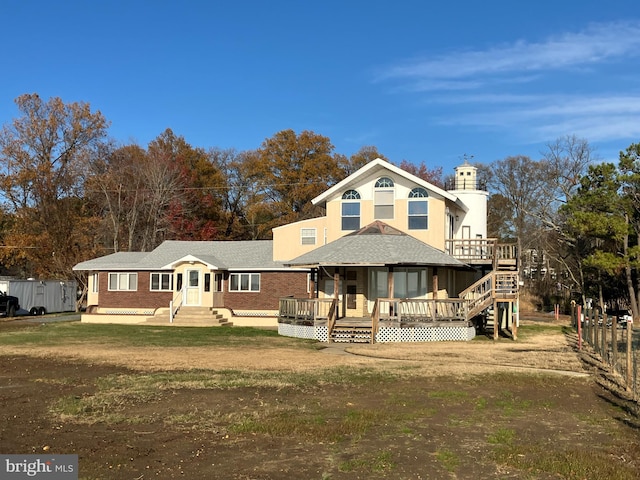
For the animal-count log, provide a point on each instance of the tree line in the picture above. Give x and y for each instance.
(69, 193)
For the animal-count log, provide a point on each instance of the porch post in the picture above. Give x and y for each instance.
(496, 319)
(313, 282)
(435, 283)
(392, 310)
(336, 293)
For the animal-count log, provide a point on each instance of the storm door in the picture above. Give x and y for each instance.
(192, 293)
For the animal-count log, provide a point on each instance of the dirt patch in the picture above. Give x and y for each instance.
(431, 410)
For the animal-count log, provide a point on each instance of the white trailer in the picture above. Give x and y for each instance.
(42, 296)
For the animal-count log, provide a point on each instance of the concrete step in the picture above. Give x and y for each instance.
(197, 316)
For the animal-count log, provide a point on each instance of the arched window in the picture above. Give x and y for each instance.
(383, 198)
(350, 210)
(351, 195)
(384, 182)
(418, 192)
(418, 209)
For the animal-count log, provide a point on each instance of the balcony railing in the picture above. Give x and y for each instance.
(483, 251)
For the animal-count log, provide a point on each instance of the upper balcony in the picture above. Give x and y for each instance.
(484, 251)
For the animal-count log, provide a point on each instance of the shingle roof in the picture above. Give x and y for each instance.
(376, 244)
(226, 255)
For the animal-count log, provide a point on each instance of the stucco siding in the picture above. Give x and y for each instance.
(287, 239)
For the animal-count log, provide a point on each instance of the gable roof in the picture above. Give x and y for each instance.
(376, 244)
(381, 165)
(219, 255)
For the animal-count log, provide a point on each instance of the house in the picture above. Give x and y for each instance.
(394, 258)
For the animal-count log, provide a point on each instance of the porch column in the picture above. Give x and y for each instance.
(314, 280)
(392, 306)
(435, 283)
(496, 319)
(336, 293)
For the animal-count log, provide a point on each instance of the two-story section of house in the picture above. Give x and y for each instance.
(384, 226)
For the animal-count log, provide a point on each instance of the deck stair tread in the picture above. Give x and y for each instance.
(353, 331)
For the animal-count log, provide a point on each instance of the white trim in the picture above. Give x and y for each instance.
(239, 290)
(304, 230)
(118, 289)
(373, 166)
(258, 269)
(160, 289)
(187, 288)
(188, 258)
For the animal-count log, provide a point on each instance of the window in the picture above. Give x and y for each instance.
(351, 195)
(350, 210)
(350, 216)
(383, 198)
(409, 283)
(244, 282)
(207, 282)
(418, 209)
(178, 282)
(308, 236)
(94, 283)
(217, 282)
(123, 281)
(161, 282)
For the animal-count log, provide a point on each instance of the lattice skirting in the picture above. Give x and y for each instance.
(387, 334)
(426, 334)
(304, 331)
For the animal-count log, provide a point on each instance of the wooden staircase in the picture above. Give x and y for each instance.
(496, 286)
(200, 317)
(359, 332)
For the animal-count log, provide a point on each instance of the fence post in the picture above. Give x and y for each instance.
(579, 324)
(603, 352)
(614, 342)
(629, 355)
(596, 334)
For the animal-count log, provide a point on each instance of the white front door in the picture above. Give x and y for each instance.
(192, 294)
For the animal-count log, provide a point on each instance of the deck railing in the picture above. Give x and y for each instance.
(306, 309)
(405, 311)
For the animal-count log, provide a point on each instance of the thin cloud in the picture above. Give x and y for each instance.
(595, 44)
(597, 117)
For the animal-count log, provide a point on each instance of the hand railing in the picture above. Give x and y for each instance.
(175, 304)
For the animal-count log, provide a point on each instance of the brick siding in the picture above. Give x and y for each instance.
(141, 298)
(273, 286)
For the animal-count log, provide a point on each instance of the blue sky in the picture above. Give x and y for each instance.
(422, 81)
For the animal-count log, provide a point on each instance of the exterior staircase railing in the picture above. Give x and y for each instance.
(494, 285)
(175, 304)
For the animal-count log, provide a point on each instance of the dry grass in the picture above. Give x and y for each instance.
(546, 349)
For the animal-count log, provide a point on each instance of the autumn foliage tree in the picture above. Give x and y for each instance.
(292, 169)
(44, 155)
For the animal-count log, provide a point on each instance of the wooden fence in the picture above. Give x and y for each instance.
(614, 341)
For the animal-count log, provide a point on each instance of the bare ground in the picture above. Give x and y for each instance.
(441, 407)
